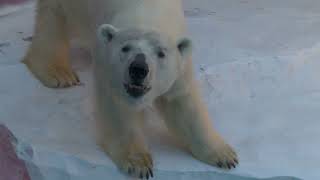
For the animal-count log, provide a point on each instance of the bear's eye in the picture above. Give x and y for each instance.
(161, 54)
(126, 49)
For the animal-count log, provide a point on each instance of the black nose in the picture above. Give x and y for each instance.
(138, 69)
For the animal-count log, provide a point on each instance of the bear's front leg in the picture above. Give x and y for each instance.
(188, 119)
(48, 55)
(122, 138)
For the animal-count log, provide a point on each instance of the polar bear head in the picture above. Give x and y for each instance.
(142, 65)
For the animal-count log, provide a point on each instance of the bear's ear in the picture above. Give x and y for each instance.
(107, 32)
(185, 46)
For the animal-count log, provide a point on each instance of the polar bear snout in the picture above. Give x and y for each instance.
(138, 69)
(138, 72)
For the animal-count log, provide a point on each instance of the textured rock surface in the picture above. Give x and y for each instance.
(11, 167)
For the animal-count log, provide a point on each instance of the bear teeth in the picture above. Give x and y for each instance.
(132, 86)
(136, 87)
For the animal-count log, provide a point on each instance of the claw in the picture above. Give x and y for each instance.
(233, 165)
(219, 164)
(150, 172)
(236, 161)
(76, 77)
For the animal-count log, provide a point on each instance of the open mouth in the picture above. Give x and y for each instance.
(136, 90)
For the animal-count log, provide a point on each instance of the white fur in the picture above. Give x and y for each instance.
(174, 89)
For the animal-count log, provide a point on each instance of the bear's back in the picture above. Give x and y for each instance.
(165, 16)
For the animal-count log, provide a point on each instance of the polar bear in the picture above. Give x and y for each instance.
(142, 58)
